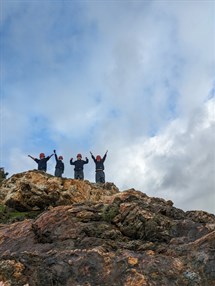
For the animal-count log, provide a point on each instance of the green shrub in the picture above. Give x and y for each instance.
(109, 212)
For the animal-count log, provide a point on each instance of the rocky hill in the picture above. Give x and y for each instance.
(65, 232)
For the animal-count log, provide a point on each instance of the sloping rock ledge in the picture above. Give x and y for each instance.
(93, 235)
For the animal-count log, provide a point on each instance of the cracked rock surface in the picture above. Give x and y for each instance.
(94, 235)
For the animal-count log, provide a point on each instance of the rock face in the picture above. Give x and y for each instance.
(92, 235)
(39, 190)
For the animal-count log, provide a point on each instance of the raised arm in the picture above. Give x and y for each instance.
(47, 158)
(105, 155)
(31, 157)
(94, 159)
(55, 155)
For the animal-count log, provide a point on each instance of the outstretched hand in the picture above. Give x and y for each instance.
(54, 151)
(31, 157)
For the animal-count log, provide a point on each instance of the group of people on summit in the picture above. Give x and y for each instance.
(79, 165)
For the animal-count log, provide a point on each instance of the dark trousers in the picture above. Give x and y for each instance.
(79, 175)
(100, 177)
(58, 172)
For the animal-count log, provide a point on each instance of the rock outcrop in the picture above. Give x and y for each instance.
(94, 235)
(39, 190)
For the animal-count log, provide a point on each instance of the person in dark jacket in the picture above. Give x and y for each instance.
(42, 162)
(79, 166)
(59, 168)
(99, 164)
(3, 175)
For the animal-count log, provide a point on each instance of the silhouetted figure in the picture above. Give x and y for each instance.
(3, 175)
(99, 164)
(79, 166)
(59, 168)
(42, 162)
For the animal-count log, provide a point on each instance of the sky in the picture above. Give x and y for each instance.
(136, 78)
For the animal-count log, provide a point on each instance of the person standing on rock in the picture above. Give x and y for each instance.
(42, 162)
(99, 164)
(3, 175)
(59, 168)
(79, 166)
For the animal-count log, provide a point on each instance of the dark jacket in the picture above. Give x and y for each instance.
(59, 164)
(79, 164)
(42, 163)
(99, 164)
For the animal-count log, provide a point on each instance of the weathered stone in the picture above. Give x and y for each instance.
(39, 190)
(98, 236)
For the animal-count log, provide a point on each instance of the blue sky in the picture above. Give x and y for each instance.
(133, 77)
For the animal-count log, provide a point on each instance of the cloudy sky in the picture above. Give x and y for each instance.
(135, 78)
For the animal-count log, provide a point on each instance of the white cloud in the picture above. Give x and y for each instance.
(175, 164)
(129, 77)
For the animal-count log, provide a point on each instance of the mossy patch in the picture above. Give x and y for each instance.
(109, 212)
(8, 215)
